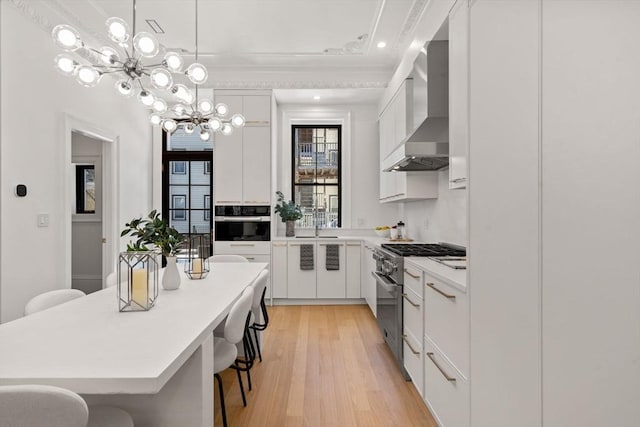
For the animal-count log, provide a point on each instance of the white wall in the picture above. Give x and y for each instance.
(360, 160)
(437, 220)
(35, 99)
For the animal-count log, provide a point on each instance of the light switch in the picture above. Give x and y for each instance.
(43, 220)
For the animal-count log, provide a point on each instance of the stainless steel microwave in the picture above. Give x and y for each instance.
(242, 223)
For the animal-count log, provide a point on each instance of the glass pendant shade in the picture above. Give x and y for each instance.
(117, 30)
(65, 64)
(146, 44)
(66, 37)
(197, 73)
(161, 78)
(155, 119)
(159, 105)
(205, 135)
(227, 129)
(237, 120)
(87, 76)
(169, 125)
(205, 106)
(189, 128)
(215, 124)
(179, 110)
(182, 93)
(222, 109)
(124, 88)
(174, 61)
(109, 55)
(146, 98)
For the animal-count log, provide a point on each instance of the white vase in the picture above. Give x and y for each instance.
(171, 277)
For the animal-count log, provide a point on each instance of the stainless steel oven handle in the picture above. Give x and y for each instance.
(388, 286)
(444, 374)
(405, 296)
(242, 218)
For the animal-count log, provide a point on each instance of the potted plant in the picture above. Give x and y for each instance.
(153, 230)
(289, 213)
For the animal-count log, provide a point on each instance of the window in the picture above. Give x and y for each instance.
(187, 184)
(85, 189)
(178, 205)
(316, 174)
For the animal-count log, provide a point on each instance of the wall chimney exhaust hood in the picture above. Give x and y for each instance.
(426, 147)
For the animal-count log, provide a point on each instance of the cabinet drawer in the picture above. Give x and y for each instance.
(241, 248)
(446, 320)
(412, 313)
(446, 392)
(414, 360)
(413, 279)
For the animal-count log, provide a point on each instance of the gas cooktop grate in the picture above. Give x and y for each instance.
(424, 249)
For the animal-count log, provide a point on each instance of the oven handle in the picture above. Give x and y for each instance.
(242, 218)
(385, 283)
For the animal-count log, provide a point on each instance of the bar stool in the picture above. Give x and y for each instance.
(258, 307)
(51, 299)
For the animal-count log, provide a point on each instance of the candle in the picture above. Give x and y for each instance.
(139, 292)
(196, 268)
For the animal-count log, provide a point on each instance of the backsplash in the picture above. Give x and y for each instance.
(446, 216)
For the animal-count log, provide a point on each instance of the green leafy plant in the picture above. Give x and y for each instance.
(288, 211)
(152, 230)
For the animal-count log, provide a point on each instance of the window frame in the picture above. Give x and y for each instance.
(338, 164)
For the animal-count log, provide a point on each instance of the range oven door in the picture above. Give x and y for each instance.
(389, 313)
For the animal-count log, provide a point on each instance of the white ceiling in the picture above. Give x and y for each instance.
(285, 44)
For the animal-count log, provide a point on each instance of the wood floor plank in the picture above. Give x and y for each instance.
(324, 366)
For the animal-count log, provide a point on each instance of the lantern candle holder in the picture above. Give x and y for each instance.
(137, 280)
(197, 263)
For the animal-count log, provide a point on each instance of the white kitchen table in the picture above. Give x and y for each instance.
(157, 365)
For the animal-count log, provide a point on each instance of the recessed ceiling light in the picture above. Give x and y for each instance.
(382, 44)
(316, 97)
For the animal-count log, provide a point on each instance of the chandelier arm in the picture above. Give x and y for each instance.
(155, 65)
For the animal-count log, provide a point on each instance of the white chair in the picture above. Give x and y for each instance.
(50, 299)
(258, 307)
(111, 280)
(227, 258)
(225, 352)
(48, 406)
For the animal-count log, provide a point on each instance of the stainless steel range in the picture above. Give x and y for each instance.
(389, 276)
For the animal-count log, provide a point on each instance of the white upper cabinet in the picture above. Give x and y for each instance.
(458, 93)
(243, 159)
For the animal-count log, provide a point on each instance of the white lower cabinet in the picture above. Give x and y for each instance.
(413, 308)
(300, 283)
(353, 266)
(367, 281)
(279, 269)
(446, 390)
(331, 283)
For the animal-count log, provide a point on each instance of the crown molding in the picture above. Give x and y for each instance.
(309, 84)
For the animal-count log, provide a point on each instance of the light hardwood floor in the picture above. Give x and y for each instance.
(324, 366)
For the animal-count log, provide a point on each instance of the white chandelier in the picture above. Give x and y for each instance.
(195, 113)
(127, 63)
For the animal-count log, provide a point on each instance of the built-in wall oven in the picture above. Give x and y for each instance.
(242, 223)
(389, 276)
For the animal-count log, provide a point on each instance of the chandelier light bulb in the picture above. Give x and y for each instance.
(179, 110)
(197, 73)
(189, 128)
(227, 129)
(109, 56)
(205, 135)
(170, 125)
(146, 44)
(222, 109)
(65, 64)
(159, 105)
(87, 76)
(124, 88)
(174, 61)
(66, 37)
(155, 119)
(205, 106)
(146, 98)
(215, 124)
(182, 93)
(237, 120)
(117, 29)
(161, 78)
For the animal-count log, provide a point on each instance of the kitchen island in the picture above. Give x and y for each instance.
(157, 365)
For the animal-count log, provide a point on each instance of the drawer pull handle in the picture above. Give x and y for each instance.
(407, 271)
(432, 286)
(413, 350)
(250, 258)
(444, 374)
(279, 244)
(454, 181)
(242, 244)
(410, 302)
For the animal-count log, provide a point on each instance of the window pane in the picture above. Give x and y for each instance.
(179, 219)
(181, 141)
(198, 173)
(319, 205)
(179, 171)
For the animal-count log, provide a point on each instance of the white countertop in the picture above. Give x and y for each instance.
(451, 276)
(88, 346)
